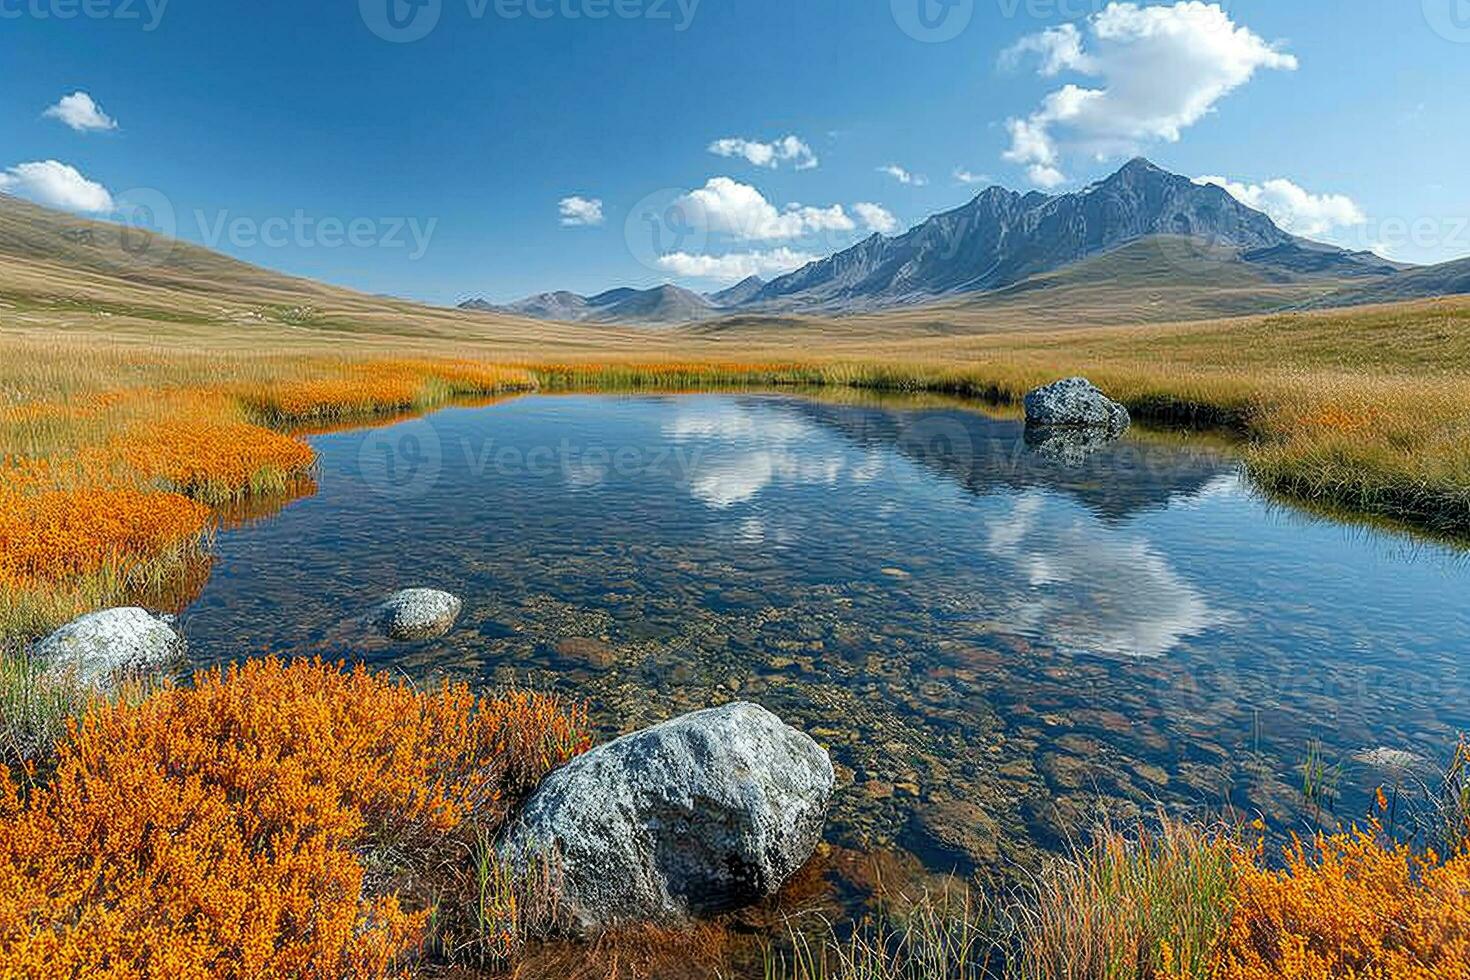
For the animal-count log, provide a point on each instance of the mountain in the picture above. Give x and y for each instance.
(1211, 255)
(739, 293)
(661, 304)
(1003, 237)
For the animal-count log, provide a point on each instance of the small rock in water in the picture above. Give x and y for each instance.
(1387, 758)
(417, 614)
(1075, 402)
(703, 814)
(97, 648)
(587, 650)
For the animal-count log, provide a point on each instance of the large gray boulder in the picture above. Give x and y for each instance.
(98, 648)
(1075, 402)
(706, 813)
(417, 614)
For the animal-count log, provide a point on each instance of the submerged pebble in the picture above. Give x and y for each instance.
(417, 614)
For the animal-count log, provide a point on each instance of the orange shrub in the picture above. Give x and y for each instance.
(471, 377)
(1349, 907)
(319, 398)
(380, 386)
(212, 459)
(215, 831)
(56, 535)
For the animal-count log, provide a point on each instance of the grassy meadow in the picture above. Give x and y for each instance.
(123, 437)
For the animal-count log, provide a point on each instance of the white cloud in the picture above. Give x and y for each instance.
(876, 217)
(735, 266)
(1161, 70)
(789, 149)
(903, 176)
(81, 113)
(726, 206)
(963, 176)
(56, 185)
(1294, 208)
(578, 212)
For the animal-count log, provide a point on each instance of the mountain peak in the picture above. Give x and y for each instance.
(1141, 163)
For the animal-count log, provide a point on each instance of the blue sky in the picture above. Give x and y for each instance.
(291, 134)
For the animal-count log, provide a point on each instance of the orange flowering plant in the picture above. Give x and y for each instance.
(1349, 905)
(247, 826)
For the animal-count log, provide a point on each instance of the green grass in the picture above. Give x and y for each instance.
(1129, 906)
(34, 709)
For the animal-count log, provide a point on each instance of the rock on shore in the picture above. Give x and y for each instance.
(703, 814)
(97, 648)
(1075, 402)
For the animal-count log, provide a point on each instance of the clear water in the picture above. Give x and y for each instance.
(996, 641)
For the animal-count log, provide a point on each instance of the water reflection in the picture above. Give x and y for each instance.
(995, 645)
(1094, 589)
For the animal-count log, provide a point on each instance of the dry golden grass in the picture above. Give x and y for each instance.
(185, 374)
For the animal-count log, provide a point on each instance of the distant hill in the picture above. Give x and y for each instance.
(61, 270)
(37, 234)
(1446, 279)
(742, 292)
(661, 305)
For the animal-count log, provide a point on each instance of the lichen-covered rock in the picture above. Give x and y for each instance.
(417, 614)
(99, 647)
(1075, 402)
(706, 813)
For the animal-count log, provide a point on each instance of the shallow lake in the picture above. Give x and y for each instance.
(997, 641)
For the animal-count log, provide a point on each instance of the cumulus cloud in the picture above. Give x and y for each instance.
(726, 206)
(903, 176)
(876, 217)
(580, 212)
(1160, 70)
(789, 149)
(56, 185)
(82, 113)
(735, 266)
(963, 176)
(1293, 208)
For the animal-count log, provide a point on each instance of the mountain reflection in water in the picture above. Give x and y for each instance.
(995, 642)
